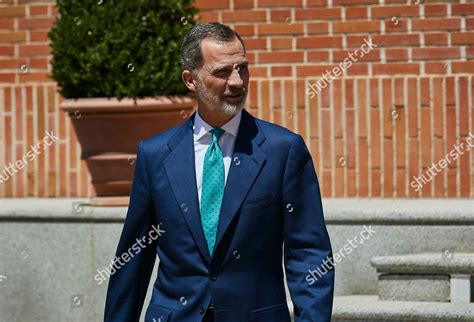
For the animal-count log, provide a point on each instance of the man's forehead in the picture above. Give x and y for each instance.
(222, 53)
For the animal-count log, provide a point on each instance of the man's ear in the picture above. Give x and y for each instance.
(189, 80)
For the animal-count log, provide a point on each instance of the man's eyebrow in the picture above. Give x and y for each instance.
(224, 67)
(243, 64)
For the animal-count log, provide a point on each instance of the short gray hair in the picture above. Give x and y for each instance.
(191, 53)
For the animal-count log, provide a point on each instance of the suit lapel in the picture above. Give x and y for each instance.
(246, 163)
(180, 169)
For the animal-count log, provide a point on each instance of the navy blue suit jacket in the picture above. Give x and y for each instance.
(271, 205)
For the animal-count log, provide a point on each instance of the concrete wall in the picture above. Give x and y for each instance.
(401, 227)
(50, 249)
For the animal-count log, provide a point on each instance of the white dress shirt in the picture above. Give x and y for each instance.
(202, 140)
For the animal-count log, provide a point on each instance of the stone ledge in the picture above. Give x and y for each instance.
(369, 308)
(337, 211)
(57, 210)
(350, 211)
(407, 287)
(425, 263)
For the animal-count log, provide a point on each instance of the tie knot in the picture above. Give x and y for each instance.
(217, 133)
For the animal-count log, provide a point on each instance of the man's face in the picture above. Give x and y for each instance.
(223, 78)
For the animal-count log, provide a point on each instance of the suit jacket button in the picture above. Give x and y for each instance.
(214, 278)
(201, 310)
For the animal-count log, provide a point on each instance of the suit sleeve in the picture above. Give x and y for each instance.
(128, 285)
(307, 247)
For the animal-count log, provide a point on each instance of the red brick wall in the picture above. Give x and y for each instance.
(387, 118)
(29, 107)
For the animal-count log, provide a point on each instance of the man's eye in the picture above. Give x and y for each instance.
(221, 73)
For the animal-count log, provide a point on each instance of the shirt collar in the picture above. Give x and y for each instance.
(201, 128)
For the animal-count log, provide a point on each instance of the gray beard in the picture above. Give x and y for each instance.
(225, 108)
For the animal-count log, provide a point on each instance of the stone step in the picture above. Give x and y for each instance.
(365, 308)
(426, 263)
(434, 277)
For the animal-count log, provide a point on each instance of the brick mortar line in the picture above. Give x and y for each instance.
(457, 93)
(270, 100)
(444, 138)
(320, 135)
(393, 139)
(25, 135)
(406, 137)
(56, 151)
(418, 125)
(3, 137)
(34, 95)
(431, 84)
(44, 152)
(470, 112)
(46, 128)
(307, 116)
(14, 179)
(382, 136)
(68, 155)
(295, 108)
(345, 172)
(333, 140)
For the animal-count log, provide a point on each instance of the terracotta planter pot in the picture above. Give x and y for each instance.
(109, 130)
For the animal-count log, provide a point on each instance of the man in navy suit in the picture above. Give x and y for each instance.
(232, 196)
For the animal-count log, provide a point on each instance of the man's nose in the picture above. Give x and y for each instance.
(235, 80)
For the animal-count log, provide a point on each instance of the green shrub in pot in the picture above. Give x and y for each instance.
(119, 48)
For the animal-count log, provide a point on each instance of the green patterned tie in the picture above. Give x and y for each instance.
(212, 188)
